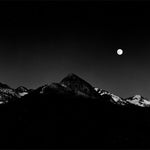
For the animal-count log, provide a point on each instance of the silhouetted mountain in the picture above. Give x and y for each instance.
(79, 86)
(71, 85)
(73, 113)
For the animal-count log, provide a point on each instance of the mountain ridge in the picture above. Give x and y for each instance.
(73, 85)
(56, 114)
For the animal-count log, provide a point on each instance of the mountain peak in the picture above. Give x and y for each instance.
(137, 97)
(73, 79)
(22, 89)
(72, 75)
(78, 85)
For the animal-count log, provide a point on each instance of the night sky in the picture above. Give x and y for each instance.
(41, 42)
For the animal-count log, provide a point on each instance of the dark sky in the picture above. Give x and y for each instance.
(41, 42)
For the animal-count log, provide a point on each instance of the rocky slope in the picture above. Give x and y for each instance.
(6, 93)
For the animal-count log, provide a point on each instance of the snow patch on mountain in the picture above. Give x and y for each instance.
(117, 99)
(23, 93)
(139, 101)
(101, 91)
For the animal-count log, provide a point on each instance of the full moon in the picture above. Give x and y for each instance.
(119, 51)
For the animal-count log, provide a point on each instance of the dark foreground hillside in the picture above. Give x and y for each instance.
(55, 120)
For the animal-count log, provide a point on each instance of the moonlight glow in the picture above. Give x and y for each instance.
(119, 51)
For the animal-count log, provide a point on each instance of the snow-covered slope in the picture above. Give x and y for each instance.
(114, 98)
(137, 100)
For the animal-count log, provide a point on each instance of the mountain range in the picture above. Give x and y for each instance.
(72, 114)
(71, 85)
